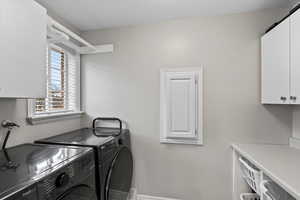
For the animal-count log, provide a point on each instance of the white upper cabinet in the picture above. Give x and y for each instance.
(281, 62)
(276, 65)
(22, 49)
(295, 58)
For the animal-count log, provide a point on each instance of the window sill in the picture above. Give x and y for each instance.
(47, 118)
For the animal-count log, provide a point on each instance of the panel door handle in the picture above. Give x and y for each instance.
(294, 98)
(283, 98)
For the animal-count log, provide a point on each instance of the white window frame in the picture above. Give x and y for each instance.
(46, 117)
(165, 136)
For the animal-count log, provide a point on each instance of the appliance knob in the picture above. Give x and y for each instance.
(62, 180)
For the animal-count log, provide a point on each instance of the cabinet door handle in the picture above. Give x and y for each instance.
(294, 98)
(283, 98)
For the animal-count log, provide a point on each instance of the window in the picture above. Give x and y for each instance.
(63, 89)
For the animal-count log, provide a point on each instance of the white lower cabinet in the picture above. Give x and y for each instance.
(22, 49)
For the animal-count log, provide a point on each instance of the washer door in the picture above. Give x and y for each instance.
(118, 182)
(79, 192)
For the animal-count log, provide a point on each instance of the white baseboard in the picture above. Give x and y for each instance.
(135, 196)
(132, 194)
(147, 197)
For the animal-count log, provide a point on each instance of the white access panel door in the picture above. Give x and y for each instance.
(275, 65)
(295, 58)
(181, 90)
(23, 25)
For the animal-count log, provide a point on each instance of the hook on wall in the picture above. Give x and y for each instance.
(9, 125)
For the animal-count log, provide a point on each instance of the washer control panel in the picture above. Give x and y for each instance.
(68, 176)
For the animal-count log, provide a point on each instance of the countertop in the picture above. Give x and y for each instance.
(280, 162)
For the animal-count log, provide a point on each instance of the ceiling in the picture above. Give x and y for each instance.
(97, 14)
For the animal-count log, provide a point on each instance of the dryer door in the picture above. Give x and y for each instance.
(79, 192)
(118, 182)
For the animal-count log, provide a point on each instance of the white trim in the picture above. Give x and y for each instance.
(30, 107)
(52, 117)
(46, 117)
(234, 176)
(147, 197)
(199, 114)
(295, 143)
(181, 141)
(132, 194)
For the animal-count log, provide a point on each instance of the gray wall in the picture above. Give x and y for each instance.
(126, 84)
(296, 120)
(16, 110)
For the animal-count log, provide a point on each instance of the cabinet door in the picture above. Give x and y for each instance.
(295, 58)
(22, 49)
(275, 65)
(181, 93)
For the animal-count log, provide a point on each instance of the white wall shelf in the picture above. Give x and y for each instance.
(57, 33)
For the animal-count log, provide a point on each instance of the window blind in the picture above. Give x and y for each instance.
(61, 83)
